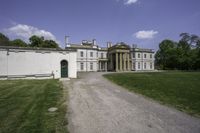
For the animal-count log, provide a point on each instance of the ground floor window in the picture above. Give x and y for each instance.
(133, 65)
(138, 65)
(145, 65)
(82, 66)
(151, 65)
(91, 66)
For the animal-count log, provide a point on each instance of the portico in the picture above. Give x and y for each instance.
(119, 58)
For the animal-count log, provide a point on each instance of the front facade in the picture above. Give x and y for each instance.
(37, 63)
(119, 57)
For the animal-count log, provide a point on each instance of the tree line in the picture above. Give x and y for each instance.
(181, 55)
(35, 41)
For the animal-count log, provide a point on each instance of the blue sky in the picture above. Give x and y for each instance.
(141, 22)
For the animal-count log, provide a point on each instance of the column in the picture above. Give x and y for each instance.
(106, 66)
(128, 62)
(120, 60)
(116, 65)
(111, 62)
(125, 56)
(99, 65)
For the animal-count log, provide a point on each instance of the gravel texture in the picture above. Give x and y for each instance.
(98, 106)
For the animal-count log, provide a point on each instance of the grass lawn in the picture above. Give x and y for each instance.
(178, 89)
(24, 106)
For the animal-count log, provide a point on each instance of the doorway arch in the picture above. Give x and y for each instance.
(64, 69)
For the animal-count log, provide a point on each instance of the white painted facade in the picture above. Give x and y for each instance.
(87, 60)
(142, 60)
(36, 63)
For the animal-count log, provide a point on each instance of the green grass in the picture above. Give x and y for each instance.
(178, 89)
(24, 106)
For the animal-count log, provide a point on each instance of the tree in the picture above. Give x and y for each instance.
(36, 41)
(166, 55)
(50, 44)
(18, 43)
(4, 40)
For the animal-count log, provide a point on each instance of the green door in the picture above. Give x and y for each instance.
(64, 69)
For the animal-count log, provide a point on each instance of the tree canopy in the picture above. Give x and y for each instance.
(35, 41)
(182, 55)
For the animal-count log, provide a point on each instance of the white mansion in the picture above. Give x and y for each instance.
(28, 62)
(119, 57)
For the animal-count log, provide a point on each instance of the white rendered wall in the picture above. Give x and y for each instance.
(87, 59)
(142, 60)
(30, 62)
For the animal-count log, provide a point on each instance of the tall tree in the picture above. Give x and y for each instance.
(166, 55)
(4, 40)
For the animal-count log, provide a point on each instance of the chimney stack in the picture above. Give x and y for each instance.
(67, 41)
(109, 44)
(94, 42)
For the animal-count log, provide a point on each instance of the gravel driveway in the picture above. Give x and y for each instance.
(98, 106)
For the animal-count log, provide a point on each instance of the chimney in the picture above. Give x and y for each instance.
(94, 42)
(67, 41)
(109, 44)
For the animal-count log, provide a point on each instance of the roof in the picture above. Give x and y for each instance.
(36, 48)
(143, 50)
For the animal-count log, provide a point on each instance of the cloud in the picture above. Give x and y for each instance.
(26, 31)
(145, 34)
(129, 2)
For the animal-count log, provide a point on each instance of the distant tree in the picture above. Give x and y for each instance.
(36, 41)
(166, 55)
(18, 43)
(4, 40)
(50, 44)
(184, 55)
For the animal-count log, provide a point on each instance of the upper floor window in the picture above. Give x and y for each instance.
(145, 55)
(101, 55)
(150, 55)
(91, 54)
(81, 53)
(138, 55)
(133, 55)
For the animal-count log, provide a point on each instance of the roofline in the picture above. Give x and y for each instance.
(37, 48)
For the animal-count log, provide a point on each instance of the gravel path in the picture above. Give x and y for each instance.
(98, 106)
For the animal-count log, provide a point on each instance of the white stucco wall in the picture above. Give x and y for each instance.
(32, 62)
(140, 61)
(86, 59)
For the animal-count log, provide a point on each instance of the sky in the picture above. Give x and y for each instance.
(142, 22)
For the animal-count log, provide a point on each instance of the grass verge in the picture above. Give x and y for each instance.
(24, 106)
(178, 89)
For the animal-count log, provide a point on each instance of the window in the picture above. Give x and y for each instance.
(133, 65)
(138, 55)
(151, 65)
(101, 55)
(150, 55)
(91, 66)
(91, 54)
(145, 65)
(145, 55)
(133, 55)
(81, 53)
(82, 66)
(138, 65)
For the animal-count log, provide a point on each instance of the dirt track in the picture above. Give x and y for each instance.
(98, 106)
